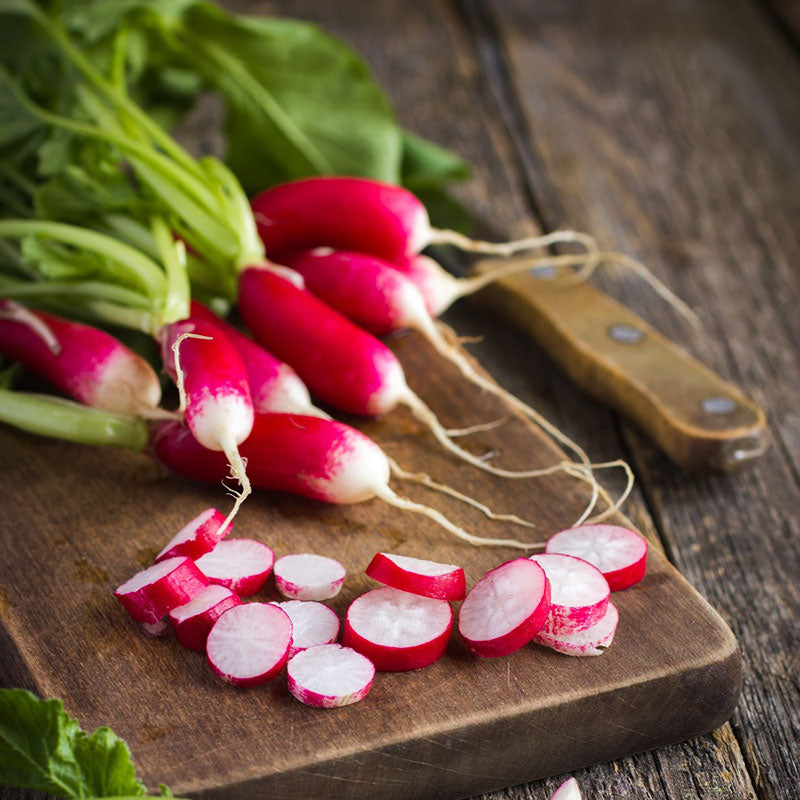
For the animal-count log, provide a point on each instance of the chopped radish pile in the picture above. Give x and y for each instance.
(590, 642)
(193, 621)
(568, 790)
(242, 565)
(249, 643)
(578, 592)
(619, 553)
(426, 578)
(312, 624)
(154, 592)
(505, 608)
(155, 629)
(305, 576)
(329, 675)
(396, 630)
(197, 537)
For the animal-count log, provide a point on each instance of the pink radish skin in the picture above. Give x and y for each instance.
(312, 624)
(505, 609)
(438, 288)
(193, 621)
(249, 644)
(569, 790)
(578, 592)
(414, 575)
(307, 576)
(241, 565)
(154, 592)
(155, 630)
(396, 630)
(197, 537)
(619, 553)
(329, 676)
(590, 642)
(83, 362)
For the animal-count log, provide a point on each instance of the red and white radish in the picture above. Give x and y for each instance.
(396, 630)
(312, 624)
(197, 537)
(569, 790)
(241, 565)
(329, 676)
(592, 641)
(307, 576)
(619, 553)
(505, 609)
(249, 643)
(192, 621)
(417, 576)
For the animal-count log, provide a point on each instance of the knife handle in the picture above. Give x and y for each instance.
(699, 420)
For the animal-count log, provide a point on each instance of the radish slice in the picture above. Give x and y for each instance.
(425, 578)
(329, 675)
(619, 553)
(155, 629)
(568, 790)
(197, 537)
(193, 621)
(249, 643)
(592, 642)
(578, 592)
(242, 565)
(154, 592)
(396, 630)
(505, 609)
(306, 576)
(312, 624)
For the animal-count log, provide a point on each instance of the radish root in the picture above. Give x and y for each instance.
(509, 248)
(179, 381)
(18, 313)
(454, 433)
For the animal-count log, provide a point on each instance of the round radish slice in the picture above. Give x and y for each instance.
(249, 643)
(329, 675)
(396, 630)
(193, 621)
(197, 537)
(305, 576)
(425, 578)
(505, 608)
(312, 624)
(619, 553)
(241, 565)
(155, 629)
(591, 642)
(578, 592)
(569, 790)
(152, 593)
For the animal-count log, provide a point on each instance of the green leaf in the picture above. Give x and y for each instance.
(426, 164)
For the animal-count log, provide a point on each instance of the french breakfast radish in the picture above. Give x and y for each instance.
(417, 576)
(569, 790)
(592, 641)
(192, 621)
(198, 536)
(308, 576)
(241, 565)
(312, 624)
(329, 676)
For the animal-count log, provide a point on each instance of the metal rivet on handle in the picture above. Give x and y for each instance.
(625, 334)
(543, 272)
(718, 405)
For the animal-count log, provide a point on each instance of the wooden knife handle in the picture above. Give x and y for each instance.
(698, 419)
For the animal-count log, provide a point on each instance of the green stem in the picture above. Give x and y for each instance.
(96, 290)
(173, 257)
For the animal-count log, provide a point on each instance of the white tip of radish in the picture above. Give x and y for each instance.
(155, 629)
(193, 621)
(197, 537)
(312, 624)
(415, 575)
(593, 641)
(329, 676)
(218, 418)
(568, 790)
(241, 565)
(307, 576)
(393, 390)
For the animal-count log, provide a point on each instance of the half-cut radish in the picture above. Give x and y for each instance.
(193, 621)
(593, 641)
(249, 643)
(329, 675)
(312, 624)
(415, 575)
(578, 592)
(569, 790)
(152, 593)
(396, 630)
(197, 537)
(242, 565)
(505, 609)
(307, 576)
(155, 629)
(619, 553)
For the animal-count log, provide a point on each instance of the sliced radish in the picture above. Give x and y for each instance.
(569, 790)
(396, 630)
(242, 565)
(312, 624)
(425, 578)
(505, 609)
(155, 629)
(306, 576)
(154, 592)
(619, 553)
(329, 675)
(197, 537)
(578, 592)
(249, 643)
(591, 642)
(193, 621)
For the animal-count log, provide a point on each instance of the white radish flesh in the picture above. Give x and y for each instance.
(569, 790)
(593, 641)
(414, 575)
(155, 629)
(329, 676)
(197, 537)
(312, 623)
(307, 576)
(241, 565)
(193, 621)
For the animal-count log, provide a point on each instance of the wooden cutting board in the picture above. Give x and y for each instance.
(76, 522)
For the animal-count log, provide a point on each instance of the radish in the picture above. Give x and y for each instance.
(241, 565)
(569, 790)
(152, 593)
(249, 643)
(592, 641)
(329, 676)
(192, 621)
(306, 576)
(425, 578)
(396, 630)
(578, 592)
(155, 629)
(312, 624)
(505, 609)
(619, 553)
(197, 537)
